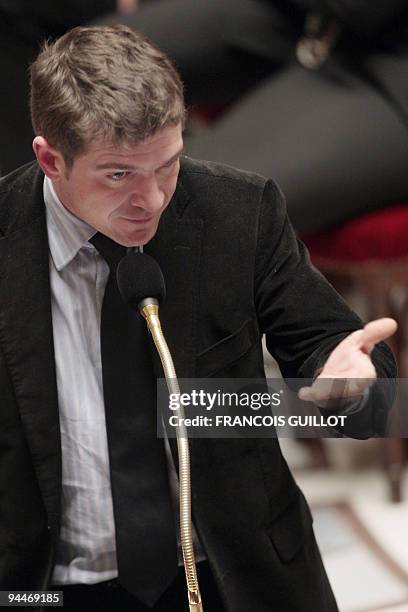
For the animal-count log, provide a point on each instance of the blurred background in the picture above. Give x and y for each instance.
(313, 93)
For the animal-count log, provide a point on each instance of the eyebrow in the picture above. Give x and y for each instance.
(122, 166)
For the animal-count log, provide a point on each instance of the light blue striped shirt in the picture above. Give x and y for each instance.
(78, 277)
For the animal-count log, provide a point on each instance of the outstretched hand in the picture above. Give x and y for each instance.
(351, 363)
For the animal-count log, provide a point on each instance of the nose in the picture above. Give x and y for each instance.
(147, 194)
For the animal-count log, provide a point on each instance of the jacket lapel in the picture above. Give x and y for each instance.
(176, 247)
(26, 331)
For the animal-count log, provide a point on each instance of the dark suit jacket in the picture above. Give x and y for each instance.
(233, 271)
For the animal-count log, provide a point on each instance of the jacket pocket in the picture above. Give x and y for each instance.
(291, 528)
(227, 350)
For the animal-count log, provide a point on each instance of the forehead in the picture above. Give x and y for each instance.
(153, 151)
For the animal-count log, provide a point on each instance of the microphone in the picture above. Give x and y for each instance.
(140, 278)
(141, 285)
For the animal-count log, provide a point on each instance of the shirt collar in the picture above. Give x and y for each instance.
(67, 234)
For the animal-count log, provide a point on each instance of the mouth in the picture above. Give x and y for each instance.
(138, 221)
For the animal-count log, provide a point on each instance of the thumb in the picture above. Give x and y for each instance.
(376, 331)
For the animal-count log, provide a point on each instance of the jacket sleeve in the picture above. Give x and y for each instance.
(304, 318)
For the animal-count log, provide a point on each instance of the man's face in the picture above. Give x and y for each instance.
(122, 190)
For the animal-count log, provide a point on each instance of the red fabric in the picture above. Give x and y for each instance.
(378, 235)
(207, 114)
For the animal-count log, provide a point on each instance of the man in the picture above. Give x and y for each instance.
(108, 113)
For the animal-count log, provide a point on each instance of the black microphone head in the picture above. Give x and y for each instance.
(139, 277)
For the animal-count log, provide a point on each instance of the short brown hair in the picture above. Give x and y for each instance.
(102, 82)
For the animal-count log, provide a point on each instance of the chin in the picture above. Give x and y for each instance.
(137, 238)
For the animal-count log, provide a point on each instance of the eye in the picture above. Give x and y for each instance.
(169, 167)
(118, 176)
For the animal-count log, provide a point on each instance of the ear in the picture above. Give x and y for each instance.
(49, 159)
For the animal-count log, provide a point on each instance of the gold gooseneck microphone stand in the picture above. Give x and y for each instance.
(149, 308)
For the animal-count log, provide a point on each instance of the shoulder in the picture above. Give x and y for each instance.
(21, 179)
(194, 172)
(207, 183)
(236, 207)
(20, 197)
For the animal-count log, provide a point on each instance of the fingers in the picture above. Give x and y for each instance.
(323, 389)
(376, 331)
(332, 392)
